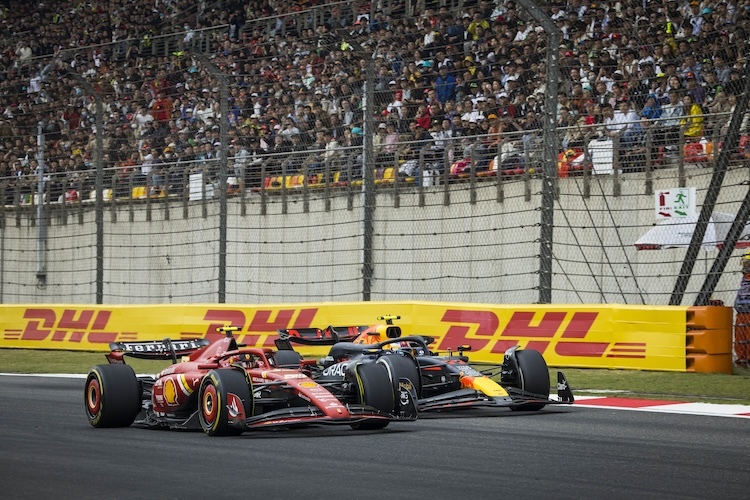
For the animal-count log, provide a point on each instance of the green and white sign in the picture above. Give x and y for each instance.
(675, 203)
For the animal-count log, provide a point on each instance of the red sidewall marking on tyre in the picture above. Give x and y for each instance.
(209, 406)
(93, 397)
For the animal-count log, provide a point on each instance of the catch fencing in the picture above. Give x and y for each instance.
(447, 225)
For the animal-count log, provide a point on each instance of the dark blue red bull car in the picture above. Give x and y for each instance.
(442, 381)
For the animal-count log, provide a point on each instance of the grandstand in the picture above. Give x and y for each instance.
(177, 151)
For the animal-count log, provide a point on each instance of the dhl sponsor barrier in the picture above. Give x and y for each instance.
(586, 336)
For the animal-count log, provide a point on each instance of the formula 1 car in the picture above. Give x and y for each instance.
(226, 389)
(442, 381)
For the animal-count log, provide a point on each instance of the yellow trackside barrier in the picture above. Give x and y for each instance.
(615, 336)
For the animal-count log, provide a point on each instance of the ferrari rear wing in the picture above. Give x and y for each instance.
(315, 336)
(154, 349)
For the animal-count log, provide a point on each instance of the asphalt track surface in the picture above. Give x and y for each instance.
(48, 450)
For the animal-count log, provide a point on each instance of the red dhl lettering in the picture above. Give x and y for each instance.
(263, 323)
(628, 350)
(79, 325)
(73, 326)
(520, 331)
(486, 321)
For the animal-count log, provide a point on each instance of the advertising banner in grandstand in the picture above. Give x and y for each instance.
(601, 336)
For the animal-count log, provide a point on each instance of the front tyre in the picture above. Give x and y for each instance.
(112, 396)
(399, 367)
(533, 377)
(225, 396)
(375, 389)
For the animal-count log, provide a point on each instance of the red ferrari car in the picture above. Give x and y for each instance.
(226, 389)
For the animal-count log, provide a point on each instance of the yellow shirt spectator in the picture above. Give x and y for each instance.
(477, 22)
(692, 121)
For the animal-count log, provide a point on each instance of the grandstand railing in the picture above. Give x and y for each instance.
(411, 165)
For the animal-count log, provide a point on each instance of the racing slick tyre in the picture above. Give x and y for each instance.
(376, 390)
(112, 396)
(287, 359)
(398, 367)
(217, 397)
(534, 377)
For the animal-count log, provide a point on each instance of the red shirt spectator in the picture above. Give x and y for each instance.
(161, 110)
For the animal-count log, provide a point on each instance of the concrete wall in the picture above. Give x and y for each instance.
(482, 251)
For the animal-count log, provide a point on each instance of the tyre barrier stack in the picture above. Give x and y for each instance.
(708, 339)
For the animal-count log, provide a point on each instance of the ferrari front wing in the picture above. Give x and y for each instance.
(300, 416)
(350, 413)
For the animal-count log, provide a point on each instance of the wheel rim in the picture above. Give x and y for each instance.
(93, 397)
(209, 405)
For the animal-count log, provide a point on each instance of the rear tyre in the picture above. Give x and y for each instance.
(112, 396)
(398, 367)
(223, 396)
(376, 390)
(534, 377)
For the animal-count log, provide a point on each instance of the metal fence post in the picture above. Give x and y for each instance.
(223, 135)
(368, 175)
(368, 183)
(41, 240)
(99, 181)
(549, 175)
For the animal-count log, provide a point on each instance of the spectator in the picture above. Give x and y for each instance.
(317, 161)
(23, 54)
(736, 82)
(270, 66)
(669, 123)
(652, 109)
(674, 83)
(378, 140)
(722, 69)
(695, 91)
(352, 144)
(392, 138)
(715, 111)
(692, 120)
(659, 88)
(622, 124)
(445, 85)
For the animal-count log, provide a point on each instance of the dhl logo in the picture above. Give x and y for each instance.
(260, 330)
(566, 333)
(89, 325)
(72, 326)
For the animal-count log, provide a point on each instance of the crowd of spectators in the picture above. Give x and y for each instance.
(444, 76)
